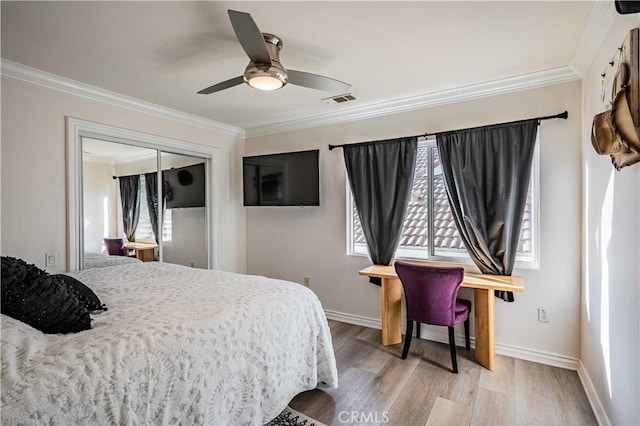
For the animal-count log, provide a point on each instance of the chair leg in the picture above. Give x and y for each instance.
(467, 342)
(418, 329)
(452, 348)
(407, 338)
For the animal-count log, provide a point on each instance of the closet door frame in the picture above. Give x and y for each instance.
(78, 129)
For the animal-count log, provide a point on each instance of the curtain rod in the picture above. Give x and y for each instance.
(118, 177)
(563, 115)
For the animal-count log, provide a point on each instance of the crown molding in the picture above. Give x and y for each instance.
(131, 158)
(96, 160)
(41, 78)
(465, 93)
(459, 94)
(598, 25)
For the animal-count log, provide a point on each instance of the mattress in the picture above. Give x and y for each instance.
(100, 260)
(177, 345)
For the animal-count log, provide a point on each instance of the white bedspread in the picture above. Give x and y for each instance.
(100, 260)
(177, 346)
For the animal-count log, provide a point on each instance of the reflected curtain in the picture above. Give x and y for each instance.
(129, 196)
(486, 172)
(380, 176)
(151, 187)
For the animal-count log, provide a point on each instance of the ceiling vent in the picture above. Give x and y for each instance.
(339, 99)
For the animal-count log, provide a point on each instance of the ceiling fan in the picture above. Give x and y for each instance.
(265, 72)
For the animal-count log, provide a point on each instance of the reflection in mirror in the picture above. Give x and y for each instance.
(117, 224)
(184, 187)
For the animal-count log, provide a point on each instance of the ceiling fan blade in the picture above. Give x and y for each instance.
(221, 86)
(314, 81)
(250, 37)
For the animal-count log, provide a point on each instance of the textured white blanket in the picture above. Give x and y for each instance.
(99, 260)
(177, 346)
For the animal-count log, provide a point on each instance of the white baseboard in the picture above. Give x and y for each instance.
(353, 319)
(439, 334)
(590, 390)
(541, 357)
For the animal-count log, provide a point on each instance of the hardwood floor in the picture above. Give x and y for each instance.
(376, 386)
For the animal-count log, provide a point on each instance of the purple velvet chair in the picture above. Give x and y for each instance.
(431, 298)
(114, 246)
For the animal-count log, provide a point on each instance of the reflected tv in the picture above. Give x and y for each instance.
(184, 187)
(284, 179)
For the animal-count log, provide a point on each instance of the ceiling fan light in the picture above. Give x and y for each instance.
(265, 82)
(267, 78)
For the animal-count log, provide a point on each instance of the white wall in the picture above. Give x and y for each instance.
(293, 243)
(34, 171)
(99, 204)
(610, 323)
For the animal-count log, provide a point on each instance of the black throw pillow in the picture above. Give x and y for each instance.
(84, 294)
(32, 296)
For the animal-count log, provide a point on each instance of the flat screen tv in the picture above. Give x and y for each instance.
(184, 187)
(286, 179)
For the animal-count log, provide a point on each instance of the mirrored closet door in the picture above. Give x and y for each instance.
(185, 232)
(122, 218)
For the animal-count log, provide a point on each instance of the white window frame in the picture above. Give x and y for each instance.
(522, 261)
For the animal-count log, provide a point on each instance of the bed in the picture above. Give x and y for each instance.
(100, 260)
(177, 345)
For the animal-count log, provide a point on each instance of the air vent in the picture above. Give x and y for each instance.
(340, 99)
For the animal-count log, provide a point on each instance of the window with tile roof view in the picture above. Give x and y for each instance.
(421, 221)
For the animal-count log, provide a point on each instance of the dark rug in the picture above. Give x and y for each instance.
(290, 417)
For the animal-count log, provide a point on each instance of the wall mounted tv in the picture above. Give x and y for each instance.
(184, 186)
(286, 179)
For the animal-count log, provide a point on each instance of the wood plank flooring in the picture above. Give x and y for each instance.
(376, 386)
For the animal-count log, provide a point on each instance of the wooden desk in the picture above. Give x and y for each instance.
(484, 304)
(144, 251)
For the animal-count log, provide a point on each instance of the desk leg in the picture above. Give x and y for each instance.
(391, 311)
(485, 327)
(146, 255)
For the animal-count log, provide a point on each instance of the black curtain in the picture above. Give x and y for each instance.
(151, 187)
(380, 175)
(129, 190)
(487, 171)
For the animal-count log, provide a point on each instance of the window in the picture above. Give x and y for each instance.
(144, 230)
(429, 231)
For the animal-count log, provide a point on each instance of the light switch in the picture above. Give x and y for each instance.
(51, 260)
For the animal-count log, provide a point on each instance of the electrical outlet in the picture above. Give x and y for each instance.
(305, 281)
(51, 260)
(544, 315)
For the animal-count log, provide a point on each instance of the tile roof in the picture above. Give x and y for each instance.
(416, 226)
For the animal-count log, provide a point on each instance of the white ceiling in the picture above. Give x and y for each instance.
(164, 52)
